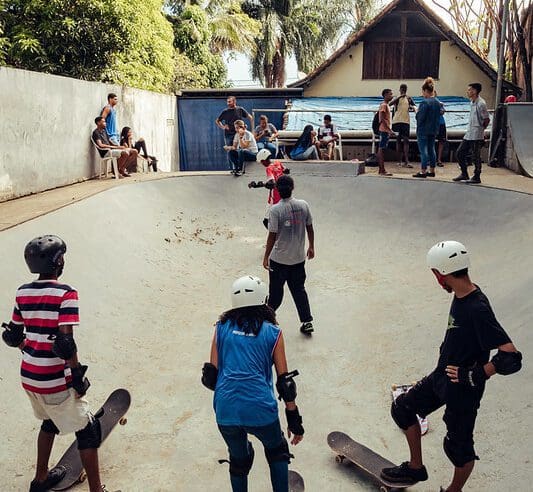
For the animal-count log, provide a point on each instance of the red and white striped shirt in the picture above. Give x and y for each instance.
(42, 306)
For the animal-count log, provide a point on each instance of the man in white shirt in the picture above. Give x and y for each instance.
(244, 148)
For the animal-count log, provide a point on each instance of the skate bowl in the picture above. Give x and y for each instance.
(519, 120)
(153, 263)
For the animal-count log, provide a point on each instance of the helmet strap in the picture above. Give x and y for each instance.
(441, 279)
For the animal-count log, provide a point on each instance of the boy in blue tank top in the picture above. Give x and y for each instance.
(246, 343)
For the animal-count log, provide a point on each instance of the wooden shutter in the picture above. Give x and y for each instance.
(421, 59)
(381, 60)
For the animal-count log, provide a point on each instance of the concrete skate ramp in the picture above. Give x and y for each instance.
(153, 263)
(521, 123)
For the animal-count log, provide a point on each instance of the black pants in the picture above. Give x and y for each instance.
(470, 149)
(294, 275)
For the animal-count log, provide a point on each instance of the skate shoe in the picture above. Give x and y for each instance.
(307, 328)
(461, 177)
(403, 473)
(55, 475)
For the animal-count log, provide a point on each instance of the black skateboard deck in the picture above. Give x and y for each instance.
(111, 413)
(296, 482)
(364, 458)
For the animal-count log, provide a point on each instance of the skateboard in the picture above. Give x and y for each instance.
(111, 413)
(364, 458)
(296, 482)
(397, 390)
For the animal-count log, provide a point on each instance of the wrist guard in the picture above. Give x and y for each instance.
(294, 421)
(286, 386)
(64, 345)
(507, 363)
(473, 377)
(209, 376)
(79, 382)
(13, 335)
(286, 171)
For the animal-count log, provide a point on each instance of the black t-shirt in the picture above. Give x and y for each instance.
(104, 137)
(473, 331)
(230, 116)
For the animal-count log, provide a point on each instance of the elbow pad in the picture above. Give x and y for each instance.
(270, 185)
(286, 386)
(209, 376)
(13, 335)
(507, 363)
(64, 345)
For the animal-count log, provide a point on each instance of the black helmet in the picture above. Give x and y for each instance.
(44, 254)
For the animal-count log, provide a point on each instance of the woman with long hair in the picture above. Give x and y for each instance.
(247, 342)
(126, 139)
(304, 148)
(427, 128)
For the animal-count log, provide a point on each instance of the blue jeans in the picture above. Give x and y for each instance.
(228, 140)
(267, 145)
(237, 158)
(309, 153)
(271, 437)
(426, 145)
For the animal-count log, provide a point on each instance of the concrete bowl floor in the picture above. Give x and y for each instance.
(153, 263)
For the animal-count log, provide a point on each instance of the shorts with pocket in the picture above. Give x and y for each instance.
(402, 130)
(68, 413)
(383, 140)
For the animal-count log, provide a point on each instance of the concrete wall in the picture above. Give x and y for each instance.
(345, 77)
(47, 121)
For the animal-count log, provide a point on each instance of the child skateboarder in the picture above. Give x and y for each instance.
(45, 313)
(246, 343)
(273, 171)
(458, 382)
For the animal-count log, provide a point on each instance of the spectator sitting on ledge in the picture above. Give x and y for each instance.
(127, 158)
(127, 140)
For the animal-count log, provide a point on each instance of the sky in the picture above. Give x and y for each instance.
(239, 66)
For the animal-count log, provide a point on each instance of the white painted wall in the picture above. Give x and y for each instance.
(344, 77)
(46, 122)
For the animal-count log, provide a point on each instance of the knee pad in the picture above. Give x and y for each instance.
(49, 427)
(90, 437)
(241, 466)
(402, 413)
(459, 452)
(279, 453)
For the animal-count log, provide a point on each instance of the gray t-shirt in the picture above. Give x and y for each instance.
(288, 219)
(478, 113)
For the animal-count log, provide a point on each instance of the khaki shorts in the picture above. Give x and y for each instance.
(118, 152)
(68, 413)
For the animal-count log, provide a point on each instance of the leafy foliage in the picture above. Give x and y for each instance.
(122, 41)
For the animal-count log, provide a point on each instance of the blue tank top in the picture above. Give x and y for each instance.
(111, 123)
(244, 394)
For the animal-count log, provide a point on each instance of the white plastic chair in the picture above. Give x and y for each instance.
(105, 161)
(338, 147)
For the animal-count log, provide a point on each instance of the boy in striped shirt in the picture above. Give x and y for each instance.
(45, 313)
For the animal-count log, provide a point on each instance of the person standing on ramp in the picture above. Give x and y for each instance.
(45, 313)
(458, 381)
(246, 343)
(285, 253)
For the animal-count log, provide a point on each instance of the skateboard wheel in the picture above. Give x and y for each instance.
(394, 387)
(83, 476)
(123, 421)
(339, 458)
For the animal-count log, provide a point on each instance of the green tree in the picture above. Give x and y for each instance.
(122, 41)
(309, 29)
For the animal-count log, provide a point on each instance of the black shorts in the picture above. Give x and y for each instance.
(402, 129)
(462, 402)
(442, 136)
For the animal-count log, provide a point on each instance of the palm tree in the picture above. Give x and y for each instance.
(309, 30)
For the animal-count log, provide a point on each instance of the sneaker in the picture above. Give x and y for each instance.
(430, 175)
(461, 177)
(473, 180)
(55, 475)
(307, 328)
(385, 174)
(440, 164)
(420, 175)
(403, 473)
(406, 165)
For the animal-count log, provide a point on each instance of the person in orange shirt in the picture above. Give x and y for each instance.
(274, 169)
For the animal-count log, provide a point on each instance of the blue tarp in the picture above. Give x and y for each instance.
(201, 141)
(319, 106)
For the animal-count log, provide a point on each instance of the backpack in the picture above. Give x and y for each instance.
(375, 123)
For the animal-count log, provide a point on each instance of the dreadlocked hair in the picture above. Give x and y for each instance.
(250, 318)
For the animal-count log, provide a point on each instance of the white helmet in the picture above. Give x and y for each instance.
(263, 155)
(447, 257)
(248, 291)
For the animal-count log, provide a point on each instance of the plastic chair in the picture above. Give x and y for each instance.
(338, 147)
(105, 161)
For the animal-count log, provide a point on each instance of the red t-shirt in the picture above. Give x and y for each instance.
(274, 171)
